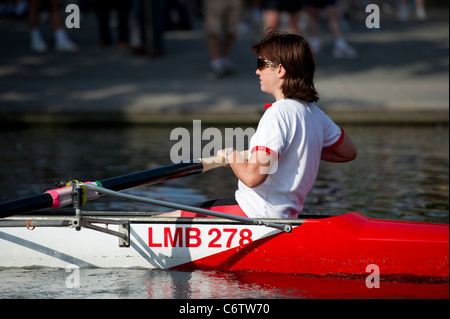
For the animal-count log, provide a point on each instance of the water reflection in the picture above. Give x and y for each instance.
(216, 285)
(400, 173)
(50, 283)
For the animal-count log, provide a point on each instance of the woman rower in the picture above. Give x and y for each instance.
(292, 136)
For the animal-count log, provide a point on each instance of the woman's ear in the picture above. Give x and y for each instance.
(281, 71)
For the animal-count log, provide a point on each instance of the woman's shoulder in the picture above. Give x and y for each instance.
(292, 103)
(290, 106)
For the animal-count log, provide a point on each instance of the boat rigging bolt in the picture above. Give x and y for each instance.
(59, 184)
(77, 197)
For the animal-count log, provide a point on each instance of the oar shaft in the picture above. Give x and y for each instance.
(27, 204)
(152, 176)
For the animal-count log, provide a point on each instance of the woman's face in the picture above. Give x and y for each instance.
(271, 78)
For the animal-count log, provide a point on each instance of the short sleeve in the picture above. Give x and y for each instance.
(332, 133)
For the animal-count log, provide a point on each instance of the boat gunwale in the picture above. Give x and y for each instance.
(139, 218)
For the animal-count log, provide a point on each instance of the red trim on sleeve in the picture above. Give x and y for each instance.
(338, 142)
(267, 105)
(265, 149)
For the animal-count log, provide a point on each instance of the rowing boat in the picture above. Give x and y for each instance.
(348, 244)
(317, 245)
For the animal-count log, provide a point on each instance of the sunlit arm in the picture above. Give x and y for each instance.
(345, 152)
(254, 172)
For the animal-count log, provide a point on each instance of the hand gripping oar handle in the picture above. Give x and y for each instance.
(252, 221)
(218, 161)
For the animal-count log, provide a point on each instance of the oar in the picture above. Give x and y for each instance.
(63, 196)
(252, 221)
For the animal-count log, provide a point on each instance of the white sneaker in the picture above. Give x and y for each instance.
(421, 14)
(63, 42)
(37, 43)
(66, 45)
(344, 52)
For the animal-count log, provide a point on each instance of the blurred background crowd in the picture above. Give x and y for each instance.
(139, 25)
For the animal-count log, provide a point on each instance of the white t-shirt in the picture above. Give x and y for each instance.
(296, 132)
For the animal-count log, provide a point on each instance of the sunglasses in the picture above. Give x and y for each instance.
(262, 64)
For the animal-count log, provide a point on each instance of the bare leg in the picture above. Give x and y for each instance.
(176, 213)
(37, 42)
(312, 23)
(272, 19)
(341, 48)
(56, 14)
(333, 21)
(420, 10)
(294, 23)
(33, 13)
(228, 45)
(213, 47)
(215, 64)
(313, 28)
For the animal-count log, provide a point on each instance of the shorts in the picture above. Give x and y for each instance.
(282, 5)
(220, 13)
(319, 3)
(227, 206)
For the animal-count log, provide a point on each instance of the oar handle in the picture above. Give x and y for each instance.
(210, 163)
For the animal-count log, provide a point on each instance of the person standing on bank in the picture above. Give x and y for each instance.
(292, 136)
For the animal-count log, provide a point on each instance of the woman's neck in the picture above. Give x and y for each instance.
(278, 95)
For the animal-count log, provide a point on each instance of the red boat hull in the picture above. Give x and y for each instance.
(350, 244)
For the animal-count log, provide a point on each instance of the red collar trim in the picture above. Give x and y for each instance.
(267, 105)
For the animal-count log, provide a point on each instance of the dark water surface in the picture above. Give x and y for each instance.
(401, 173)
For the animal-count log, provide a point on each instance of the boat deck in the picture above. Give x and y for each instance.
(46, 219)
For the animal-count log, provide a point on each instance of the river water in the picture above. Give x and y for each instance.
(401, 173)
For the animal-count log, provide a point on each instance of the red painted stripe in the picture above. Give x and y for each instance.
(344, 244)
(229, 209)
(265, 149)
(338, 142)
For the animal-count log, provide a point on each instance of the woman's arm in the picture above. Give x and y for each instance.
(254, 172)
(344, 152)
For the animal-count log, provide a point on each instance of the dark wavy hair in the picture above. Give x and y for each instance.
(294, 53)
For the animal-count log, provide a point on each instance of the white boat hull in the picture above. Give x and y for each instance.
(152, 246)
